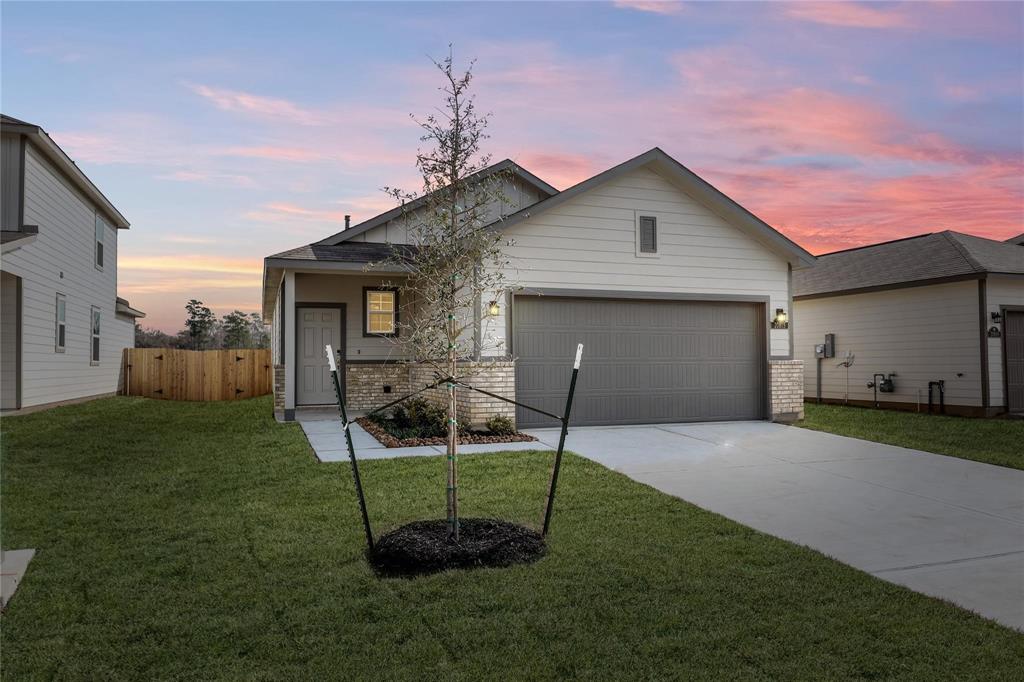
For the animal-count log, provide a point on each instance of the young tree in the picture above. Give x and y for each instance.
(237, 333)
(200, 323)
(452, 261)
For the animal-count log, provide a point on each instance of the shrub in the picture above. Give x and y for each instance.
(500, 426)
(426, 418)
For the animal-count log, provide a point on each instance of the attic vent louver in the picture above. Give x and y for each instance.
(648, 234)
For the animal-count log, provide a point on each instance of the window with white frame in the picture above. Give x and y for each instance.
(94, 350)
(381, 318)
(60, 324)
(101, 233)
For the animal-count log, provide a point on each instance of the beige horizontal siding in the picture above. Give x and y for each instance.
(589, 243)
(922, 333)
(518, 194)
(347, 289)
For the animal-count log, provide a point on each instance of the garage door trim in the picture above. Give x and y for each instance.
(761, 302)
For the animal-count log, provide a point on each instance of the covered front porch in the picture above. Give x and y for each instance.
(344, 296)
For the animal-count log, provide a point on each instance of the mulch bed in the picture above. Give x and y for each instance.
(423, 547)
(389, 441)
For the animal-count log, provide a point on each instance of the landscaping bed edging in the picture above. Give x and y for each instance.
(389, 441)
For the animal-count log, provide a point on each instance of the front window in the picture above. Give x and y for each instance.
(381, 312)
(101, 232)
(94, 356)
(60, 328)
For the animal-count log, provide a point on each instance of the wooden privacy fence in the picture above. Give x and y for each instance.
(172, 374)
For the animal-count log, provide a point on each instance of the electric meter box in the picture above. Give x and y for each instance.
(819, 350)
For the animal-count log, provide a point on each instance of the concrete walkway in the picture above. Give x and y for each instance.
(323, 430)
(943, 526)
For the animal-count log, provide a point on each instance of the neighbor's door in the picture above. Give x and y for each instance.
(317, 328)
(1013, 337)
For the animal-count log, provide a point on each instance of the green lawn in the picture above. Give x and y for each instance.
(995, 441)
(182, 540)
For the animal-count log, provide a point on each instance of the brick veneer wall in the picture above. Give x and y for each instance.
(787, 389)
(278, 387)
(365, 382)
(474, 408)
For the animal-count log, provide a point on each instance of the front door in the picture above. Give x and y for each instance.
(1013, 340)
(317, 328)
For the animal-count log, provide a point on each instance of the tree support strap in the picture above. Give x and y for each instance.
(452, 382)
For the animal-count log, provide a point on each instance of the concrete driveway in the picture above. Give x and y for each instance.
(943, 526)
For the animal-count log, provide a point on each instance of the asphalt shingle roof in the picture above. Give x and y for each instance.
(346, 252)
(926, 257)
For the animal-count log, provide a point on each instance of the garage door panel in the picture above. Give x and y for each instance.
(644, 361)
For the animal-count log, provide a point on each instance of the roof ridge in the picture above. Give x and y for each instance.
(961, 248)
(869, 246)
(391, 213)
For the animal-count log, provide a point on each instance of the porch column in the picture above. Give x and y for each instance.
(289, 345)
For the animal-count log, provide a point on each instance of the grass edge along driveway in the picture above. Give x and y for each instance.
(202, 540)
(993, 441)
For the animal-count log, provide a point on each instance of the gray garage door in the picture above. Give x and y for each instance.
(644, 362)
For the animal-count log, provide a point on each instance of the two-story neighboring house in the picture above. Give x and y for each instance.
(680, 295)
(63, 327)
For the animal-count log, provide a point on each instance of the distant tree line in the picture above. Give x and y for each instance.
(203, 331)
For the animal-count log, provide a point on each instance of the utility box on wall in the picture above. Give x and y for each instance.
(827, 349)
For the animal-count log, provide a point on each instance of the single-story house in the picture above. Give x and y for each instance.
(678, 293)
(63, 328)
(939, 313)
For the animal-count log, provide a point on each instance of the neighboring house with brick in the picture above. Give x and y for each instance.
(63, 326)
(944, 307)
(678, 294)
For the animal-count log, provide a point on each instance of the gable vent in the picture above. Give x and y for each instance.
(648, 234)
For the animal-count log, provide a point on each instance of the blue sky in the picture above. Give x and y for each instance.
(229, 131)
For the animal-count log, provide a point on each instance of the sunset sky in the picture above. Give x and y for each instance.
(227, 132)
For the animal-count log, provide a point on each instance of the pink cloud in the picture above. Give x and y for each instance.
(289, 213)
(849, 14)
(828, 209)
(209, 178)
(196, 263)
(259, 105)
(559, 169)
(274, 153)
(667, 7)
(961, 93)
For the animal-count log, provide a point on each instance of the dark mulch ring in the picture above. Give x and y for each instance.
(423, 547)
(471, 438)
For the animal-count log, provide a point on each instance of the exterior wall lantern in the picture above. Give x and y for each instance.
(493, 309)
(781, 319)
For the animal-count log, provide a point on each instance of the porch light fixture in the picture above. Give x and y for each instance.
(493, 309)
(781, 319)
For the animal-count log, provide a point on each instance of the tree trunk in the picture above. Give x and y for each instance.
(453, 442)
